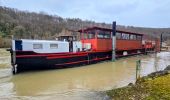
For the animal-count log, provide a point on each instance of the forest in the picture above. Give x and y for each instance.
(31, 25)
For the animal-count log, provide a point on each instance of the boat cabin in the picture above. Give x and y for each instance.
(46, 46)
(40, 46)
(96, 39)
(100, 39)
(128, 40)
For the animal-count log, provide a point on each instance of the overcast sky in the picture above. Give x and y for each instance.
(143, 13)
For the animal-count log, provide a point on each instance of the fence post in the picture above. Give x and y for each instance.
(138, 66)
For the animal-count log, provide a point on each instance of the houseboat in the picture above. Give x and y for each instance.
(96, 44)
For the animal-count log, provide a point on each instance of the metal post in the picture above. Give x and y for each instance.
(113, 41)
(161, 41)
(13, 56)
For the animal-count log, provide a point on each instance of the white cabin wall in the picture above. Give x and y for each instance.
(27, 45)
(76, 45)
(13, 45)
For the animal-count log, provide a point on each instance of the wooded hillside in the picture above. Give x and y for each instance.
(31, 25)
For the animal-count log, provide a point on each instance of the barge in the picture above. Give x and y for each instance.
(96, 44)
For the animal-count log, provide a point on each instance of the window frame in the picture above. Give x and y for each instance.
(101, 34)
(52, 46)
(118, 35)
(37, 46)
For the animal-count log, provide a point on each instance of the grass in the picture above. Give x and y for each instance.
(151, 89)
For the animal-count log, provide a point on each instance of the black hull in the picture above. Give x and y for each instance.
(56, 61)
(28, 60)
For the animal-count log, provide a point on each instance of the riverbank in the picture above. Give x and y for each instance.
(155, 86)
(3, 52)
(4, 58)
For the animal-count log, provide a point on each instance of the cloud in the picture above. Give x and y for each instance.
(145, 13)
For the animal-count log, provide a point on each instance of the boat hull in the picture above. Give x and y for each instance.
(36, 61)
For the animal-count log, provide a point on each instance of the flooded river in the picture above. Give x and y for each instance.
(80, 83)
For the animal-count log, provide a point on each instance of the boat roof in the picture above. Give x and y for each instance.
(93, 28)
(122, 31)
(40, 41)
(106, 29)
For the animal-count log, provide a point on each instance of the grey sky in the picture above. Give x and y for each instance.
(143, 13)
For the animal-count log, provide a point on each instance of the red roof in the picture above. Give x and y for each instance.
(121, 31)
(106, 29)
(93, 28)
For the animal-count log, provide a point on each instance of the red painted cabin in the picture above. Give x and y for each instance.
(128, 41)
(100, 40)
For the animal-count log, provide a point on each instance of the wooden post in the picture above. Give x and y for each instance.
(138, 67)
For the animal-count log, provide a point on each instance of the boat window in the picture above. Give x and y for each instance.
(91, 34)
(104, 34)
(85, 36)
(107, 35)
(37, 46)
(100, 34)
(118, 35)
(88, 35)
(53, 46)
(139, 37)
(132, 37)
(125, 36)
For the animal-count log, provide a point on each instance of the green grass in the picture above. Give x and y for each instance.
(150, 89)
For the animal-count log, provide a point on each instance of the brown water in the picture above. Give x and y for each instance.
(80, 83)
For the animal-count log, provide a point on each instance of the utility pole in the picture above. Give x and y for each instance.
(114, 41)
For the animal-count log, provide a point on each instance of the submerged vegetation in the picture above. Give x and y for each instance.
(152, 87)
(4, 58)
(4, 52)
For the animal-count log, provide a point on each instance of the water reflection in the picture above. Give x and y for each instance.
(81, 82)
